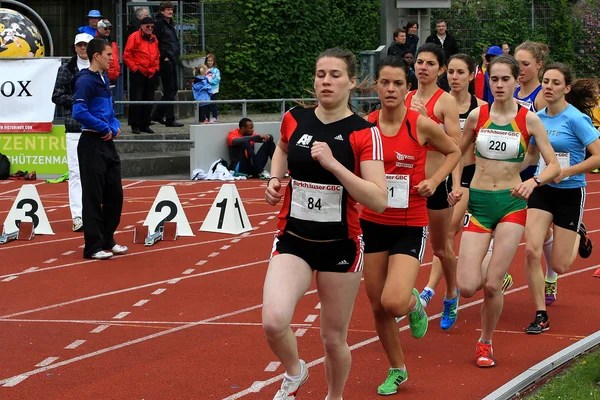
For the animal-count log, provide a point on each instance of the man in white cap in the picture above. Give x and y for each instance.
(63, 96)
(93, 17)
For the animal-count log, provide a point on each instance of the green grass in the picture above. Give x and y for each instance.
(580, 381)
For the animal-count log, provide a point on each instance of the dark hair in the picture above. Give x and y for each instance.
(485, 49)
(164, 5)
(466, 59)
(394, 62)
(409, 52)
(436, 50)
(410, 24)
(506, 60)
(96, 45)
(211, 55)
(583, 91)
(398, 31)
(244, 122)
(347, 56)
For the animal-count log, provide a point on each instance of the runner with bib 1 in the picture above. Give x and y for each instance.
(395, 239)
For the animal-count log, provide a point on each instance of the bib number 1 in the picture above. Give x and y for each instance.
(398, 190)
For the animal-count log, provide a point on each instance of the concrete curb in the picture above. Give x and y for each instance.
(540, 370)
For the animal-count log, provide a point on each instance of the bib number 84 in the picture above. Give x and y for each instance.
(312, 204)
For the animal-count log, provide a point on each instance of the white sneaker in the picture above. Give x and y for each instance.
(118, 249)
(213, 120)
(264, 175)
(102, 255)
(289, 387)
(77, 224)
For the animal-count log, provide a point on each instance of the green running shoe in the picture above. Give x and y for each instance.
(418, 319)
(64, 177)
(395, 378)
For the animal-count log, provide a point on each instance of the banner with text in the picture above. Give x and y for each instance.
(26, 91)
(44, 153)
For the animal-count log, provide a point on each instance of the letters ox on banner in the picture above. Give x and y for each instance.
(26, 87)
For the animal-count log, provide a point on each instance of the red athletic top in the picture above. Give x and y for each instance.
(316, 206)
(404, 160)
(429, 106)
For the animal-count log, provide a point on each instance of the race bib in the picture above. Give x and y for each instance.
(526, 103)
(497, 144)
(564, 159)
(316, 202)
(398, 187)
(461, 122)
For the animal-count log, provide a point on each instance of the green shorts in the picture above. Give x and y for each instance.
(487, 208)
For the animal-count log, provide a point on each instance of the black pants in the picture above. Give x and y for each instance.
(168, 77)
(102, 193)
(213, 106)
(255, 162)
(142, 89)
(204, 113)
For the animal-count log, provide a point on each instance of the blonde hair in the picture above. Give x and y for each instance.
(539, 51)
(201, 69)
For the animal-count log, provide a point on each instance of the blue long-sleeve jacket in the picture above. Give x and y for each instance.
(201, 88)
(92, 103)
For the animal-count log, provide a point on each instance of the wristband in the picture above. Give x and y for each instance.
(273, 177)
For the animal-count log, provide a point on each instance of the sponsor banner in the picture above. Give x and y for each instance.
(44, 153)
(26, 87)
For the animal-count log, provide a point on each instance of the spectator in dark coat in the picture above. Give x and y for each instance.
(412, 40)
(442, 38)
(398, 46)
(168, 44)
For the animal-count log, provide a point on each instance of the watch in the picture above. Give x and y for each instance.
(537, 180)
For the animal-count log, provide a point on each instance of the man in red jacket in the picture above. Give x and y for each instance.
(142, 57)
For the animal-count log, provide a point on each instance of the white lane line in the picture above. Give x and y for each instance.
(273, 365)
(311, 318)
(128, 227)
(201, 195)
(122, 315)
(216, 253)
(188, 271)
(75, 344)
(263, 222)
(158, 291)
(68, 253)
(141, 303)
(235, 240)
(130, 322)
(31, 269)
(47, 361)
(245, 234)
(10, 278)
(174, 281)
(133, 184)
(99, 328)
(201, 262)
(131, 289)
(140, 221)
(14, 381)
(225, 247)
(50, 261)
(272, 217)
(51, 210)
(318, 306)
(300, 332)
(82, 246)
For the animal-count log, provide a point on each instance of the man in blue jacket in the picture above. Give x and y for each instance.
(99, 162)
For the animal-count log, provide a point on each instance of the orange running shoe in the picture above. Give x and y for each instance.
(485, 355)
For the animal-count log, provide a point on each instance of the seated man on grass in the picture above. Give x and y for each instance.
(244, 160)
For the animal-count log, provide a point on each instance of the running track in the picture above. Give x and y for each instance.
(181, 320)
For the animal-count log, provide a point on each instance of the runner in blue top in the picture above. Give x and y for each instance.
(561, 202)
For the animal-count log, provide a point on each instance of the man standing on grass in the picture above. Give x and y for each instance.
(99, 161)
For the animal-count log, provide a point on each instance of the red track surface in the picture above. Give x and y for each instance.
(199, 335)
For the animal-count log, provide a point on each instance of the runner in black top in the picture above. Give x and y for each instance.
(335, 159)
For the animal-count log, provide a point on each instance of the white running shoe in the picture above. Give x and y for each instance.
(102, 255)
(289, 387)
(213, 120)
(118, 249)
(77, 224)
(264, 175)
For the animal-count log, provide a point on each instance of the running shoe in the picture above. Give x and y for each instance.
(507, 283)
(425, 297)
(102, 255)
(118, 249)
(550, 291)
(77, 224)
(539, 325)
(485, 355)
(395, 378)
(417, 319)
(585, 244)
(264, 175)
(289, 387)
(450, 312)
(596, 171)
(62, 178)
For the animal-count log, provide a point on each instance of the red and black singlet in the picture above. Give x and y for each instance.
(430, 107)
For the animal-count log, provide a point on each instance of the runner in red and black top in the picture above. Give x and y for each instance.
(395, 239)
(334, 159)
(440, 107)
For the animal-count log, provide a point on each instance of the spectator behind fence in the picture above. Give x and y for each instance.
(412, 40)
(442, 38)
(202, 91)
(63, 96)
(492, 53)
(134, 24)
(214, 78)
(168, 44)
(399, 45)
(104, 32)
(505, 48)
(142, 57)
(244, 160)
(93, 17)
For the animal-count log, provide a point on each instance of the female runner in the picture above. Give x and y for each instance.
(561, 202)
(335, 159)
(497, 196)
(395, 239)
(441, 108)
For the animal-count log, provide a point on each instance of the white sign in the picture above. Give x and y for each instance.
(26, 88)
(28, 207)
(167, 208)
(227, 213)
